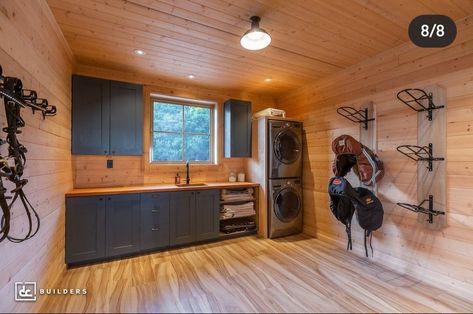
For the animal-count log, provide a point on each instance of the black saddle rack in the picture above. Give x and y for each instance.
(422, 210)
(420, 153)
(415, 99)
(355, 115)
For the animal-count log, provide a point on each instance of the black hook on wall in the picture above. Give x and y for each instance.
(415, 99)
(355, 115)
(420, 153)
(422, 210)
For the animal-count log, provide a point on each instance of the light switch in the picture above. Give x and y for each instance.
(109, 163)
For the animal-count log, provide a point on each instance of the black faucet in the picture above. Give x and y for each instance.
(188, 178)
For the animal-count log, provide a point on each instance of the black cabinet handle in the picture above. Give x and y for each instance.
(105, 151)
(109, 198)
(154, 229)
(155, 210)
(100, 198)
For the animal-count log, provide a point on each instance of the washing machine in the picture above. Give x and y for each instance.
(285, 149)
(285, 207)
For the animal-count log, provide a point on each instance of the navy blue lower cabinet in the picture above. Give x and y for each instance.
(122, 224)
(182, 229)
(207, 205)
(194, 216)
(154, 220)
(103, 227)
(85, 229)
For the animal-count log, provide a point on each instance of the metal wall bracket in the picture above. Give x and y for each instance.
(420, 153)
(415, 99)
(422, 210)
(355, 115)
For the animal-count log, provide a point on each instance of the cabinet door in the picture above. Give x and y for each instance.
(154, 221)
(182, 210)
(85, 228)
(126, 119)
(237, 128)
(207, 214)
(123, 224)
(90, 115)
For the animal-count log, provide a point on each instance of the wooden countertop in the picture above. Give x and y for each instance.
(156, 188)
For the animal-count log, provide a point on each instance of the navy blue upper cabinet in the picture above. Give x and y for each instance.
(237, 125)
(90, 115)
(107, 117)
(126, 119)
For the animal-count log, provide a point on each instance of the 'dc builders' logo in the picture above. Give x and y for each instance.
(26, 291)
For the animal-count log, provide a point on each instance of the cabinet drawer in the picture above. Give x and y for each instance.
(154, 220)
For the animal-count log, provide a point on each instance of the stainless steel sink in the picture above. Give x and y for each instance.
(183, 185)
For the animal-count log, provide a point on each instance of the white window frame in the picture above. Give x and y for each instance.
(185, 102)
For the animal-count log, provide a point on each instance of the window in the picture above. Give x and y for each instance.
(181, 132)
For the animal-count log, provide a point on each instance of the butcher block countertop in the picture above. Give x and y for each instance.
(156, 188)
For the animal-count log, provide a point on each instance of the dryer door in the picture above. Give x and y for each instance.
(287, 147)
(287, 204)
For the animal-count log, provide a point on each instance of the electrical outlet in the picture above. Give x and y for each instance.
(109, 163)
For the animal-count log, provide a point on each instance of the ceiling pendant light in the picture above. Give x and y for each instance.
(256, 38)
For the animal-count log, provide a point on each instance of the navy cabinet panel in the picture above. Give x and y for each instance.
(90, 115)
(126, 119)
(182, 212)
(237, 128)
(122, 224)
(207, 214)
(85, 228)
(154, 220)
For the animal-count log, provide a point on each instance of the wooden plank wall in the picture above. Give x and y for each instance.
(91, 171)
(441, 257)
(32, 48)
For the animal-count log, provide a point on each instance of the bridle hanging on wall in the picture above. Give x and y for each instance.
(12, 167)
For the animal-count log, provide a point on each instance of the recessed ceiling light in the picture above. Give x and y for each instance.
(256, 38)
(191, 76)
(268, 79)
(139, 52)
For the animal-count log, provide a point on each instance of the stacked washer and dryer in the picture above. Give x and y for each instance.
(285, 178)
(277, 167)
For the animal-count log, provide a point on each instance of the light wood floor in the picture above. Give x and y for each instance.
(294, 274)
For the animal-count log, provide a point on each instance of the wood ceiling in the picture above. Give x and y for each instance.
(311, 38)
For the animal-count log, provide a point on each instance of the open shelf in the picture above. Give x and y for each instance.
(415, 99)
(247, 216)
(233, 235)
(420, 153)
(422, 210)
(355, 115)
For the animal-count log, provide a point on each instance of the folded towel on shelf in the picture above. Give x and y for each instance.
(236, 195)
(237, 191)
(241, 210)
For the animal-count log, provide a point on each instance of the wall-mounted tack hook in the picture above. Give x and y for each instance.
(415, 99)
(355, 115)
(419, 209)
(420, 153)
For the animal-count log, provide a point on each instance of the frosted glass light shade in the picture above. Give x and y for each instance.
(256, 38)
